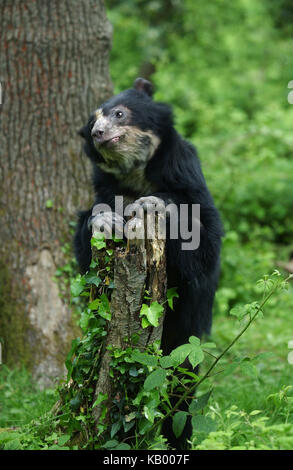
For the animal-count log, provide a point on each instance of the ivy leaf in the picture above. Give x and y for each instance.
(100, 399)
(178, 423)
(152, 313)
(94, 304)
(98, 243)
(155, 379)
(104, 307)
(84, 320)
(171, 294)
(77, 286)
(144, 322)
(93, 279)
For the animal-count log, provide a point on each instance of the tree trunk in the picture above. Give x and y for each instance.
(53, 73)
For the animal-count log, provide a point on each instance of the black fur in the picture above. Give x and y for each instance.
(176, 174)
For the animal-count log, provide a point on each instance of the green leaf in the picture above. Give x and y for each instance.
(155, 379)
(178, 423)
(100, 399)
(93, 279)
(255, 412)
(112, 444)
(49, 203)
(115, 428)
(149, 413)
(196, 356)
(63, 439)
(76, 402)
(180, 354)
(77, 285)
(144, 358)
(133, 372)
(202, 423)
(104, 307)
(7, 436)
(145, 323)
(94, 304)
(123, 446)
(166, 361)
(152, 312)
(192, 350)
(208, 345)
(84, 319)
(240, 311)
(13, 445)
(98, 243)
(199, 403)
(171, 294)
(128, 426)
(194, 340)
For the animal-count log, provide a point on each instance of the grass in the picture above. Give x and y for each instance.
(20, 398)
(253, 409)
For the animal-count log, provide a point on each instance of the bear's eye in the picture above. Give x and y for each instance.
(118, 114)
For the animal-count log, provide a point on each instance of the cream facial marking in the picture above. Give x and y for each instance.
(99, 114)
(134, 149)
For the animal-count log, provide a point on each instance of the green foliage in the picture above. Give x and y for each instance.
(225, 69)
(240, 430)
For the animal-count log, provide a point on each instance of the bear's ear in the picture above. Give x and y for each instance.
(141, 84)
(82, 132)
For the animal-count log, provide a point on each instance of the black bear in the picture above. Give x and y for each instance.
(137, 153)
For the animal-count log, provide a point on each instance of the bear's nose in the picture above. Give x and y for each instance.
(97, 133)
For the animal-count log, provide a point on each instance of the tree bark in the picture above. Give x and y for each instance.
(53, 73)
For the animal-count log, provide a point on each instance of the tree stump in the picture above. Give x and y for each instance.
(138, 268)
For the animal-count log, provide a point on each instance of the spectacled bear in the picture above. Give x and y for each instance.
(137, 153)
